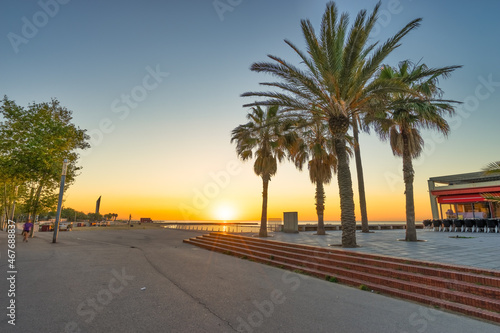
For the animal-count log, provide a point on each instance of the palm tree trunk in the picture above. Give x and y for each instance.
(347, 218)
(320, 207)
(361, 180)
(339, 125)
(263, 218)
(408, 174)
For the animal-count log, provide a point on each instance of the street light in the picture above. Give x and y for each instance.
(59, 203)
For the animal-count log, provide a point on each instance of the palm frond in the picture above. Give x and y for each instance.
(492, 168)
(491, 197)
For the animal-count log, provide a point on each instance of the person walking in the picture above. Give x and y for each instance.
(26, 230)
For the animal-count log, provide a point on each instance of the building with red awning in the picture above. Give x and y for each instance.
(460, 196)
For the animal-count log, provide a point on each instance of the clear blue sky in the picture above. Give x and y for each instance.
(156, 151)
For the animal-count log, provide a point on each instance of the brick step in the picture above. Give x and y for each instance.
(349, 280)
(339, 261)
(383, 258)
(483, 302)
(460, 273)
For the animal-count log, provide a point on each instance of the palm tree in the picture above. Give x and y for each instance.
(339, 78)
(492, 169)
(315, 145)
(267, 137)
(407, 113)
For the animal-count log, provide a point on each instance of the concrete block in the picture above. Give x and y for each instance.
(290, 222)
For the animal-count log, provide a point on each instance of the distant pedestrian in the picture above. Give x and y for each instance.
(26, 230)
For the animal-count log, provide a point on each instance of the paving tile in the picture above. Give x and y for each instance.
(438, 247)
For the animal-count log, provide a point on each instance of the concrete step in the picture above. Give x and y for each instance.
(459, 291)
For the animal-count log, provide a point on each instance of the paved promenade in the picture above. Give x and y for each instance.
(478, 249)
(149, 281)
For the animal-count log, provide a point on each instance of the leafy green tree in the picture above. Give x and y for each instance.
(408, 113)
(9, 196)
(69, 214)
(315, 146)
(81, 216)
(267, 136)
(340, 80)
(95, 217)
(34, 142)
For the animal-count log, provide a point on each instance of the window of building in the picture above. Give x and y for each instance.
(473, 210)
(496, 209)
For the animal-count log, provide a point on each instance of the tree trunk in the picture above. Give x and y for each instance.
(35, 207)
(30, 203)
(339, 126)
(411, 231)
(263, 218)
(320, 207)
(5, 206)
(361, 180)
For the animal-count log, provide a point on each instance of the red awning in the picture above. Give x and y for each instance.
(448, 199)
(470, 190)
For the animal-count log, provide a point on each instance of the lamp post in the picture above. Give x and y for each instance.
(59, 203)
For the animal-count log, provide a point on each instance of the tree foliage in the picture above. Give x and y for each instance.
(34, 142)
(315, 147)
(406, 113)
(339, 79)
(267, 137)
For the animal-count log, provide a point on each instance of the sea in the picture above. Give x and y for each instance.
(249, 226)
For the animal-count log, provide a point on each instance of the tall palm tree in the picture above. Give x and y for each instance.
(408, 113)
(315, 146)
(266, 136)
(339, 78)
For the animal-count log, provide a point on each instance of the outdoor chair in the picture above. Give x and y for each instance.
(480, 225)
(458, 225)
(447, 225)
(470, 225)
(427, 224)
(492, 225)
(437, 224)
